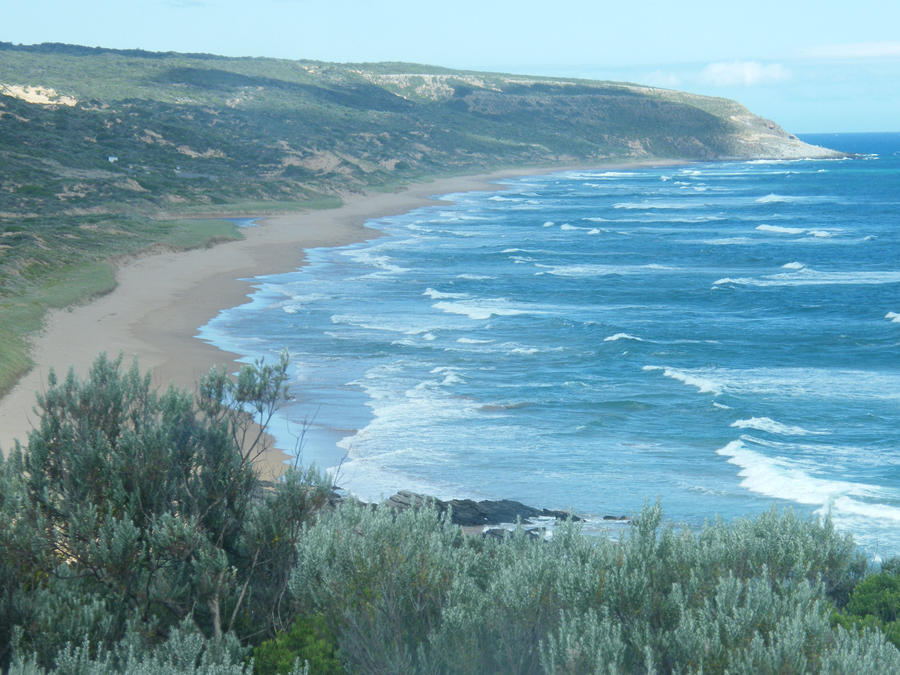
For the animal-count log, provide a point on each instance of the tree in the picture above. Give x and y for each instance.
(875, 603)
(132, 511)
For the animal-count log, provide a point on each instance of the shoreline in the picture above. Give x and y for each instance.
(162, 299)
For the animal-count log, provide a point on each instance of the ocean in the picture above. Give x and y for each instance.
(720, 337)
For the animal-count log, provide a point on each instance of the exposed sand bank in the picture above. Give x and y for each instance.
(162, 299)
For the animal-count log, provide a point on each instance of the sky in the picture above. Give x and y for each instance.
(812, 66)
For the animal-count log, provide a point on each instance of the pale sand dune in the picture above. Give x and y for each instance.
(163, 298)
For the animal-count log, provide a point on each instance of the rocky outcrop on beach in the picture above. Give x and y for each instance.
(468, 512)
(491, 514)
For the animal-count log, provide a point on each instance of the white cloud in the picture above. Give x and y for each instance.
(743, 73)
(855, 50)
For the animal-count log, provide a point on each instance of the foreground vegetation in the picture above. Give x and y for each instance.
(135, 536)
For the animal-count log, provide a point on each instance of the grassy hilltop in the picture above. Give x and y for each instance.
(99, 147)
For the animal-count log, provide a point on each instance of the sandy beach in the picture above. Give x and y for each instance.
(162, 299)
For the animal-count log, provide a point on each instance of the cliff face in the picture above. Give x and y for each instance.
(751, 136)
(634, 120)
(90, 130)
(758, 137)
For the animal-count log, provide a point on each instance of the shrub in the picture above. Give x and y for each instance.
(379, 580)
(134, 511)
(407, 593)
(307, 641)
(875, 604)
(185, 652)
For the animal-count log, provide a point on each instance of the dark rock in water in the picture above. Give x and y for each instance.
(616, 518)
(487, 512)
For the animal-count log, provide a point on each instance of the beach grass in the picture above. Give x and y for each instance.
(22, 312)
(198, 233)
(264, 207)
(23, 315)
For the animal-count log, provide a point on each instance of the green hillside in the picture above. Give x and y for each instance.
(99, 147)
(210, 130)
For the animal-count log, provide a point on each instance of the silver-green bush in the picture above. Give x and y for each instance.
(409, 593)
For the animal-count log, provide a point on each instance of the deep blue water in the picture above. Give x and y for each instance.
(719, 336)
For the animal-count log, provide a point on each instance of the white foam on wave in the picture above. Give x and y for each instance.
(616, 174)
(484, 308)
(439, 295)
(594, 175)
(473, 341)
(649, 206)
(458, 217)
(692, 219)
(769, 425)
(371, 323)
(779, 229)
(529, 251)
(806, 276)
(474, 277)
(451, 376)
(773, 161)
(731, 241)
(580, 271)
(781, 478)
(800, 383)
(406, 405)
(773, 198)
(300, 301)
(704, 385)
(815, 233)
(549, 223)
(583, 271)
(566, 227)
(894, 317)
(371, 258)
(793, 266)
(622, 336)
